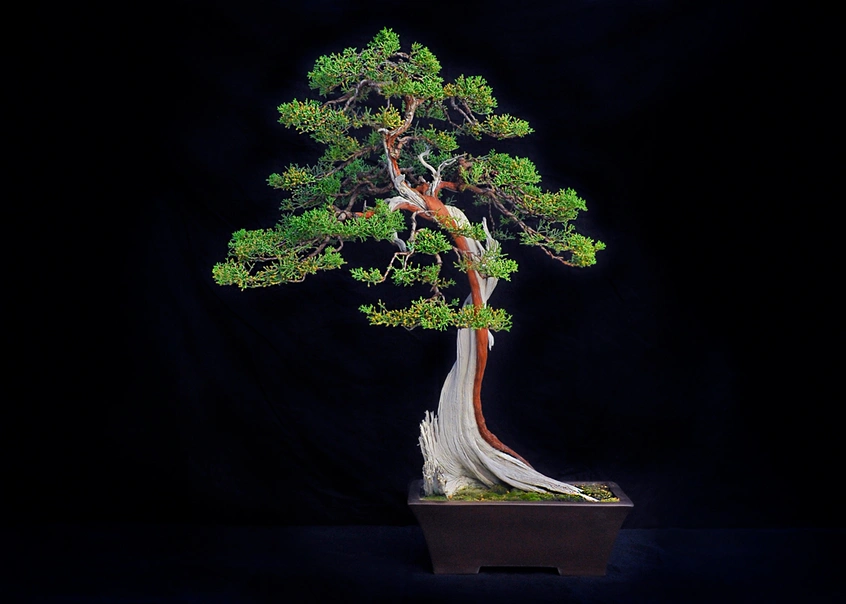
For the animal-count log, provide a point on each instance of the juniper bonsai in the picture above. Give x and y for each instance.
(392, 169)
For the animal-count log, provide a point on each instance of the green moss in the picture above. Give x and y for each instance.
(500, 493)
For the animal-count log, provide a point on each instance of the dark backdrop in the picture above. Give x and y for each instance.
(691, 365)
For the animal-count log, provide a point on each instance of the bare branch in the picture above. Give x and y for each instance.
(468, 115)
(350, 97)
(435, 173)
(527, 229)
(319, 248)
(411, 105)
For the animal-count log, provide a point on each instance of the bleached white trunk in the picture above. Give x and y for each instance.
(454, 452)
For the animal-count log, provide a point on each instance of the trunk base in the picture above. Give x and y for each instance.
(576, 538)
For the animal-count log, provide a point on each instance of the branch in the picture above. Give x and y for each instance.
(437, 184)
(436, 172)
(468, 115)
(527, 229)
(413, 197)
(426, 164)
(352, 95)
(361, 152)
(411, 105)
(321, 247)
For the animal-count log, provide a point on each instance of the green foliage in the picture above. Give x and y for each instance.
(284, 268)
(323, 223)
(338, 69)
(502, 170)
(544, 218)
(416, 78)
(411, 274)
(292, 178)
(389, 117)
(371, 276)
(425, 63)
(382, 96)
(562, 206)
(427, 241)
(581, 249)
(474, 92)
(492, 263)
(341, 148)
(385, 43)
(440, 139)
(324, 124)
(435, 313)
(473, 231)
(501, 126)
(252, 245)
(406, 273)
(299, 246)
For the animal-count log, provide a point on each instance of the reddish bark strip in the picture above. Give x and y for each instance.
(439, 212)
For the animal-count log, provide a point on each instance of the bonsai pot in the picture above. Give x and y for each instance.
(576, 538)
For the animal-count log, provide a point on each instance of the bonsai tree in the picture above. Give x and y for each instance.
(393, 170)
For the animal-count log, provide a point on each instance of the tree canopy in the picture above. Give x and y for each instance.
(391, 130)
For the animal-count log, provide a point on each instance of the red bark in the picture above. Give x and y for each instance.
(437, 207)
(438, 211)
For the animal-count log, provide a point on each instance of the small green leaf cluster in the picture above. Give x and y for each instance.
(325, 124)
(381, 64)
(321, 223)
(582, 249)
(474, 91)
(253, 245)
(432, 110)
(327, 185)
(299, 245)
(561, 206)
(322, 122)
(417, 77)
(337, 69)
(493, 263)
(501, 170)
(427, 241)
(405, 274)
(385, 43)
(440, 139)
(341, 149)
(285, 268)
(292, 178)
(417, 273)
(423, 62)
(435, 313)
(500, 126)
(258, 245)
(371, 276)
(388, 117)
(231, 272)
(345, 69)
(472, 230)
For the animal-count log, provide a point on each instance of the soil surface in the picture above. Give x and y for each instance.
(500, 493)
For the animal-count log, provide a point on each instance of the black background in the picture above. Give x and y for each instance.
(695, 365)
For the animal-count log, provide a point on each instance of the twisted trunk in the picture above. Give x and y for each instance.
(458, 448)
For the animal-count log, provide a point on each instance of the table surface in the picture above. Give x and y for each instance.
(208, 564)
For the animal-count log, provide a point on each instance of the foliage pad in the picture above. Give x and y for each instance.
(391, 129)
